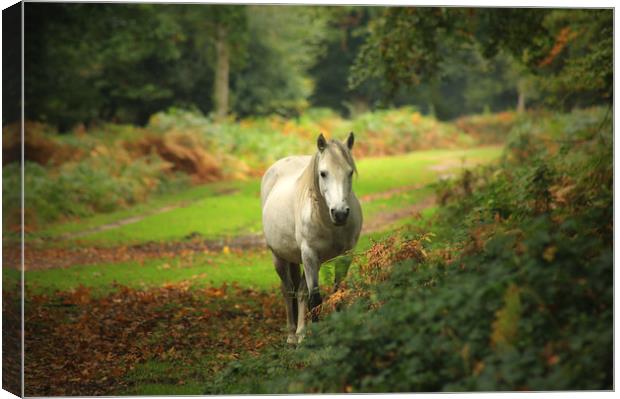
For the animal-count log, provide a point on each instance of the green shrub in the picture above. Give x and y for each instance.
(85, 187)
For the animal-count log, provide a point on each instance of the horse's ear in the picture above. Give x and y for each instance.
(350, 140)
(321, 143)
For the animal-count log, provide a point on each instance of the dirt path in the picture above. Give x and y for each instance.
(48, 258)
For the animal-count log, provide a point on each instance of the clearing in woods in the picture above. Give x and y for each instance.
(154, 299)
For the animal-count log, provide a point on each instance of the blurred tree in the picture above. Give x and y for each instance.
(284, 42)
(405, 45)
(577, 69)
(124, 63)
(85, 62)
(345, 33)
(51, 59)
(215, 38)
(213, 43)
(225, 29)
(465, 83)
(90, 62)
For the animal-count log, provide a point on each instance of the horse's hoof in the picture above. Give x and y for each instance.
(291, 339)
(300, 338)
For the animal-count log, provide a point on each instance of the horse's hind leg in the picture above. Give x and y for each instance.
(288, 287)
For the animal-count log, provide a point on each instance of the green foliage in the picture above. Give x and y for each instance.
(134, 60)
(446, 73)
(515, 294)
(466, 83)
(490, 128)
(241, 377)
(570, 50)
(275, 78)
(114, 70)
(84, 188)
(577, 70)
(398, 51)
(345, 33)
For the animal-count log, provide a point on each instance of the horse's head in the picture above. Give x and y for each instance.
(335, 168)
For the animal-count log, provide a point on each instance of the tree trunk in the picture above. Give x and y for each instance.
(222, 70)
(521, 89)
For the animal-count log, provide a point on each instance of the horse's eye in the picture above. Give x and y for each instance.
(351, 174)
(323, 174)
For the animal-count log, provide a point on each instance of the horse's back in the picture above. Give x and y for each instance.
(283, 171)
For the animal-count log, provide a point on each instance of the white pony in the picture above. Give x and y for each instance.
(310, 215)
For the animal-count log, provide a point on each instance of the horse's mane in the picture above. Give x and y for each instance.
(309, 179)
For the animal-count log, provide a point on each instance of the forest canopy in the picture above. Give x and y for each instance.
(88, 63)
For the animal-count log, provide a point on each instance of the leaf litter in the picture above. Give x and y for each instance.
(80, 344)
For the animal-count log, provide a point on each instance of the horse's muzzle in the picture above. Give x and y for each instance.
(340, 217)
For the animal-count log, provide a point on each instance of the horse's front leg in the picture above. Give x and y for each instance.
(308, 295)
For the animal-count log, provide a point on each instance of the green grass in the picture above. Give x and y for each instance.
(210, 217)
(237, 213)
(10, 277)
(186, 196)
(385, 173)
(252, 269)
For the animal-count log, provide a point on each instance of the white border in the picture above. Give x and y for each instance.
(436, 3)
